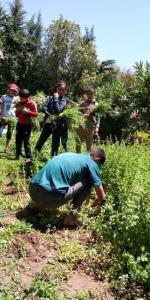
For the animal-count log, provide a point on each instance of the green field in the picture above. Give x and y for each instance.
(40, 259)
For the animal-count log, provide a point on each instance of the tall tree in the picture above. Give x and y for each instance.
(22, 45)
(89, 35)
(32, 51)
(60, 39)
(83, 64)
(14, 39)
(2, 25)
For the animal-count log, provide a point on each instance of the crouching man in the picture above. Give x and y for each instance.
(68, 176)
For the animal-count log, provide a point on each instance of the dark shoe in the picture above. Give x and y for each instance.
(29, 162)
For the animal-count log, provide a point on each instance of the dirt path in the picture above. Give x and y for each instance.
(31, 252)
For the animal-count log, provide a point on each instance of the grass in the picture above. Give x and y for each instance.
(38, 254)
(18, 252)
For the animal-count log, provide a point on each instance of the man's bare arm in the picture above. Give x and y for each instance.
(101, 195)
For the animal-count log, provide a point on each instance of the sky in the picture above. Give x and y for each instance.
(121, 27)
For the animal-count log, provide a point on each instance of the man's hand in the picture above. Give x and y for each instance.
(101, 195)
(2, 119)
(18, 109)
(60, 115)
(98, 202)
(70, 220)
(87, 111)
(25, 110)
(46, 112)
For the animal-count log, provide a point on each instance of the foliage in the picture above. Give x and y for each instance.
(126, 103)
(39, 99)
(9, 121)
(113, 242)
(124, 220)
(8, 234)
(20, 45)
(101, 109)
(46, 284)
(37, 58)
(141, 92)
(14, 38)
(72, 253)
(74, 118)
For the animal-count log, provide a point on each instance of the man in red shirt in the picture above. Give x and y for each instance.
(26, 109)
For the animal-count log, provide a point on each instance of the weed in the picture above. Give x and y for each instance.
(47, 283)
(72, 253)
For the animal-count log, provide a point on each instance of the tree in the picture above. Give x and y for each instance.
(141, 92)
(60, 39)
(22, 44)
(32, 52)
(14, 39)
(3, 19)
(83, 67)
(2, 25)
(89, 35)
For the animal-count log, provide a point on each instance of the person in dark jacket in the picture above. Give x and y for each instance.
(54, 123)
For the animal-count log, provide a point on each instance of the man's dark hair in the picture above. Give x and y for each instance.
(99, 153)
(24, 93)
(90, 89)
(60, 83)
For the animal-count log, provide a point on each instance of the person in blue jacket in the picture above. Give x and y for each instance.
(68, 176)
(54, 123)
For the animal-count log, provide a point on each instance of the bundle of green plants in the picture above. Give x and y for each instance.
(34, 121)
(73, 117)
(9, 121)
(102, 109)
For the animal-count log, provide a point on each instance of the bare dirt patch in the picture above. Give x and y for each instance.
(30, 246)
(9, 190)
(9, 219)
(82, 282)
(31, 253)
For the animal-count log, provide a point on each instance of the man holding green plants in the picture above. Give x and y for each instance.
(68, 176)
(7, 113)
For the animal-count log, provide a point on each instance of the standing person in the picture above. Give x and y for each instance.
(87, 133)
(1, 103)
(25, 111)
(7, 104)
(68, 176)
(54, 106)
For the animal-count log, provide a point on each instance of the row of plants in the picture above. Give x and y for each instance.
(121, 227)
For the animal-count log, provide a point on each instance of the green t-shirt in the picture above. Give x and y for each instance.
(64, 170)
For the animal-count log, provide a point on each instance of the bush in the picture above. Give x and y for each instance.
(125, 219)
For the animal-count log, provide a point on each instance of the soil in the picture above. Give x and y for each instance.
(81, 282)
(31, 253)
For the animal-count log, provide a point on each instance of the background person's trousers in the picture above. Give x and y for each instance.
(10, 129)
(78, 192)
(45, 134)
(23, 133)
(84, 135)
(58, 132)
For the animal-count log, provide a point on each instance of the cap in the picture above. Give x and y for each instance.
(13, 86)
